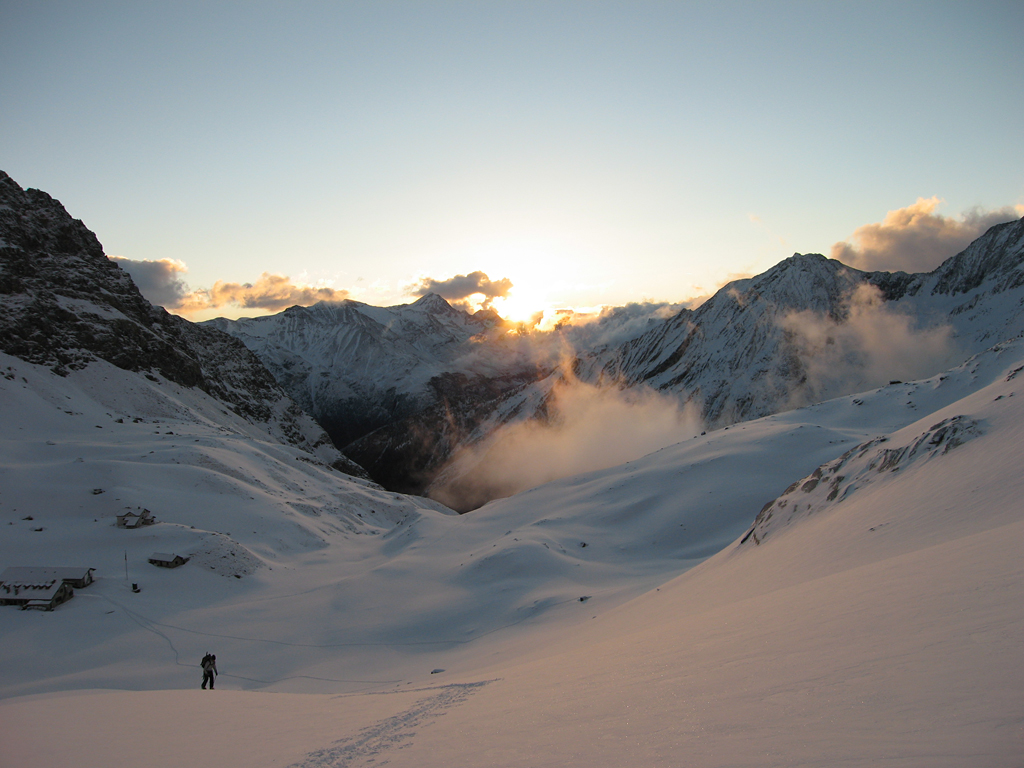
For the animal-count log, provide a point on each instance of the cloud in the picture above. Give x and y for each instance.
(270, 292)
(587, 428)
(616, 325)
(459, 288)
(160, 282)
(914, 239)
(555, 338)
(871, 346)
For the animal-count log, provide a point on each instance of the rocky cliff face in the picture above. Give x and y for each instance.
(63, 304)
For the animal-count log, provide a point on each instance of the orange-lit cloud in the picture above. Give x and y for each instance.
(460, 289)
(270, 292)
(914, 239)
(160, 282)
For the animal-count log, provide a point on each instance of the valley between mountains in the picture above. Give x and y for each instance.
(794, 539)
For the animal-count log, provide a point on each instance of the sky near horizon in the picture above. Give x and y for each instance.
(244, 156)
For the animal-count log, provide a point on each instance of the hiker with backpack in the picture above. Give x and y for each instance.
(209, 665)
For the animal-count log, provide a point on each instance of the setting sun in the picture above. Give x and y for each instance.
(519, 308)
(542, 274)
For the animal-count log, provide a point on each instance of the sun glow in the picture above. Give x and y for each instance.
(545, 275)
(538, 318)
(518, 309)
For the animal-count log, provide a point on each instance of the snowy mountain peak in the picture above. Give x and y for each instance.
(64, 305)
(803, 281)
(358, 368)
(432, 302)
(811, 328)
(996, 257)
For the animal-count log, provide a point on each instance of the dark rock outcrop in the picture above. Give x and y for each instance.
(63, 304)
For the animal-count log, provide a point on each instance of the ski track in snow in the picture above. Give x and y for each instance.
(391, 733)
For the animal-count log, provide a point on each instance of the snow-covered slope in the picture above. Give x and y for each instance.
(393, 570)
(78, 450)
(878, 624)
(879, 627)
(835, 584)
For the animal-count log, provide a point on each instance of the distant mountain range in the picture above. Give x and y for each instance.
(877, 597)
(357, 368)
(756, 346)
(399, 390)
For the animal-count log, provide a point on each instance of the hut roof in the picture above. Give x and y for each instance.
(41, 590)
(40, 575)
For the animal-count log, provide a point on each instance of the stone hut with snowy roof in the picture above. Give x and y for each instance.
(165, 560)
(133, 519)
(43, 588)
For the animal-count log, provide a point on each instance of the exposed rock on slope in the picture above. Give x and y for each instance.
(858, 467)
(63, 304)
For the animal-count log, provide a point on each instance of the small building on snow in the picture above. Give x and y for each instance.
(43, 588)
(133, 519)
(165, 560)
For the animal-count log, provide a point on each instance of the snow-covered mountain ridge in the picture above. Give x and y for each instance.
(63, 304)
(812, 328)
(807, 330)
(356, 367)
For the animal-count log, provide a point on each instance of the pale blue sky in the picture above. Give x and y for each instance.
(593, 152)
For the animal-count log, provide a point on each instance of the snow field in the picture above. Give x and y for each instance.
(882, 625)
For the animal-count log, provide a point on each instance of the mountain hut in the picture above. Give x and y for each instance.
(165, 560)
(72, 576)
(42, 588)
(133, 519)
